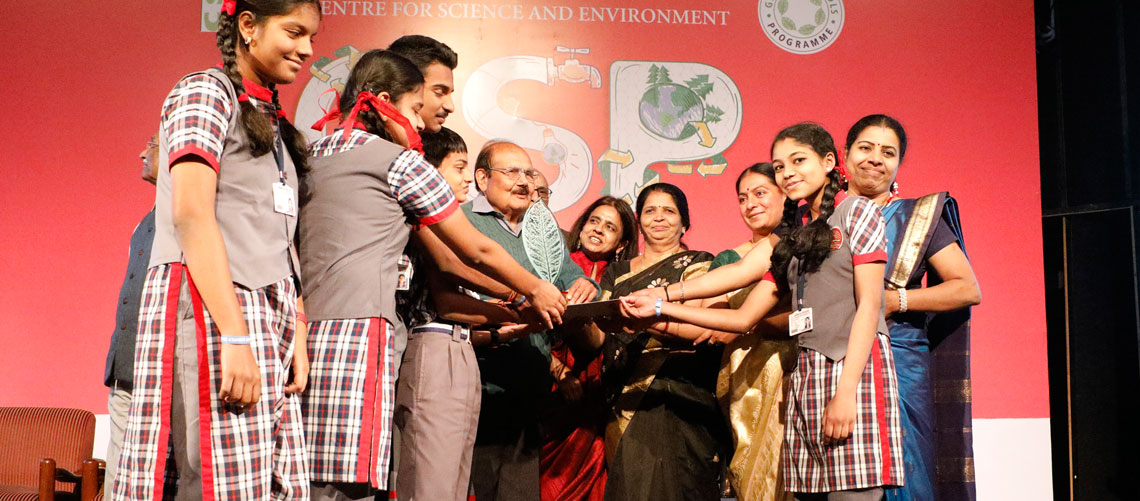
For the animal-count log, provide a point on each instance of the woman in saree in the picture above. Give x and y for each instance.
(665, 438)
(573, 464)
(929, 326)
(755, 367)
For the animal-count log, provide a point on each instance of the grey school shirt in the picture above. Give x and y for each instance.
(858, 235)
(258, 239)
(352, 231)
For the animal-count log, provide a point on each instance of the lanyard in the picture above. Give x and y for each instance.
(278, 154)
(800, 286)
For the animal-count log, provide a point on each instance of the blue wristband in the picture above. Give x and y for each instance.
(518, 301)
(236, 340)
(657, 307)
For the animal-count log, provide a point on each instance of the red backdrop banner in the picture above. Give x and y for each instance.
(607, 97)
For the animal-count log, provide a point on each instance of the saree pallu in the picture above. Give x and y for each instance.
(572, 466)
(932, 359)
(666, 438)
(751, 385)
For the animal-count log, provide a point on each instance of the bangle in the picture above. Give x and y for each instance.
(682, 291)
(494, 332)
(667, 293)
(902, 300)
(657, 307)
(301, 317)
(236, 340)
(518, 301)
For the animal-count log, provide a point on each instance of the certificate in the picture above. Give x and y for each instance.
(596, 309)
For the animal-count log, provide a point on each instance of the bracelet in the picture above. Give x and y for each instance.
(512, 296)
(682, 291)
(236, 340)
(657, 307)
(902, 300)
(301, 317)
(667, 293)
(518, 301)
(494, 333)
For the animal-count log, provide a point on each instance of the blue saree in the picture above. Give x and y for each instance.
(932, 359)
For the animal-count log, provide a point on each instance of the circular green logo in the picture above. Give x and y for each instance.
(801, 26)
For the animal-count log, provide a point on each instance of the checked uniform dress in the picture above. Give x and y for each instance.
(357, 202)
(231, 453)
(872, 455)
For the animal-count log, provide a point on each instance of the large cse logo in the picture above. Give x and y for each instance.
(801, 26)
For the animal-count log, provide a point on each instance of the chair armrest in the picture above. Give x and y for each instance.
(47, 479)
(92, 473)
(87, 482)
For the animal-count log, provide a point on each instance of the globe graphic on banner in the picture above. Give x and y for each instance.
(669, 110)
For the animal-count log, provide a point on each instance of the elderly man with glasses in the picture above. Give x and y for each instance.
(515, 374)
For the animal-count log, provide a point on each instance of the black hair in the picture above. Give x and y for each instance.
(877, 120)
(379, 71)
(258, 128)
(423, 51)
(628, 240)
(765, 169)
(438, 145)
(674, 192)
(810, 243)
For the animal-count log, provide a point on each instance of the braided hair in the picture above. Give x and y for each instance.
(258, 128)
(810, 243)
(379, 71)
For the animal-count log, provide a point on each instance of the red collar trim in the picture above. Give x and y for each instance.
(256, 91)
(259, 92)
(839, 198)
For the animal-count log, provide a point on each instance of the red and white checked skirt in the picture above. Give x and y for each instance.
(348, 405)
(872, 455)
(257, 454)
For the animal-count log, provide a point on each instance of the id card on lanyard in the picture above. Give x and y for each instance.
(800, 321)
(284, 199)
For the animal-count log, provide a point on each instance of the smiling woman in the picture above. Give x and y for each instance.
(232, 309)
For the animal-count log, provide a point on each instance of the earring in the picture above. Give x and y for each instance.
(895, 189)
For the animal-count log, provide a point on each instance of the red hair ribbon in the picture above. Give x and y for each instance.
(366, 100)
(229, 7)
(333, 113)
(842, 170)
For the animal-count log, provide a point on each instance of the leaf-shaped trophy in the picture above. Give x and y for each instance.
(542, 240)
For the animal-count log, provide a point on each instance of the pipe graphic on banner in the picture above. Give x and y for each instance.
(670, 112)
(328, 73)
(558, 145)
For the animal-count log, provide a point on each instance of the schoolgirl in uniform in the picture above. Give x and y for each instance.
(366, 182)
(218, 332)
(842, 437)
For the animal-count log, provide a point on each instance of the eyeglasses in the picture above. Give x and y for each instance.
(543, 192)
(514, 173)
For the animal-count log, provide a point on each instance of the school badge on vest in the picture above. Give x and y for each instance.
(836, 239)
(542, 241)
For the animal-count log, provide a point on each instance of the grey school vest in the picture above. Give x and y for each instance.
(352, 232)
(830, 292)
(259, 240)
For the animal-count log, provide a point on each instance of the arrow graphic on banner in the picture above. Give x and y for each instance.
(679, 168)
(707, 139)
(711, 169)
(622, 158)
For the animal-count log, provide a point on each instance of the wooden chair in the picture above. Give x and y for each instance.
(47, 454)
